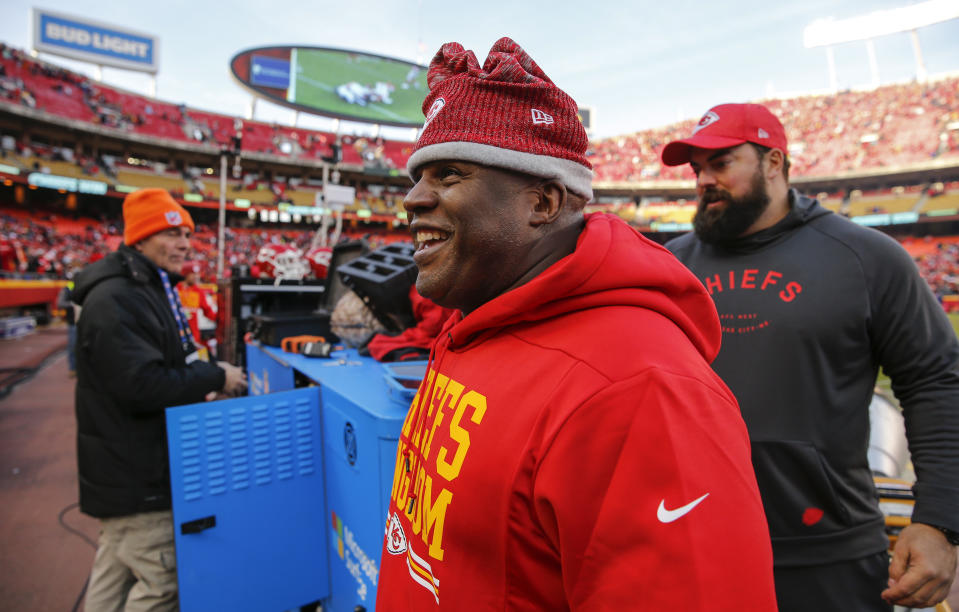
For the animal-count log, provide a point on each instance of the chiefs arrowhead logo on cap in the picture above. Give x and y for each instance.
(708, 119)
(438, 105)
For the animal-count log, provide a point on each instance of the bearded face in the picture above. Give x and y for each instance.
(721, 217)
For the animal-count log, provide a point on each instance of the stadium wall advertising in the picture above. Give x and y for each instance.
(92, 41)
(339, 83)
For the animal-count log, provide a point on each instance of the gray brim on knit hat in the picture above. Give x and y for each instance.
(574, 176)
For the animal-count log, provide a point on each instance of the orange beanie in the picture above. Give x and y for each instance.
(148, 211)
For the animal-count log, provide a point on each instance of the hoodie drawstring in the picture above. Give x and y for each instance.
(417, 430)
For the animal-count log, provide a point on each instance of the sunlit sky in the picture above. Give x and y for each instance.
(637, 64)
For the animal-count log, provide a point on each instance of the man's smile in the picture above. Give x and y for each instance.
(428, 241)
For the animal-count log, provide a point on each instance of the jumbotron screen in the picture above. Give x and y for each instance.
(336, 83)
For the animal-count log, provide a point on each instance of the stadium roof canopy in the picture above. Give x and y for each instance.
(829, 31)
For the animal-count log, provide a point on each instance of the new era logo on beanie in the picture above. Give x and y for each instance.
(729, 125)
(148, 211)
(507, 114)
(540, 117)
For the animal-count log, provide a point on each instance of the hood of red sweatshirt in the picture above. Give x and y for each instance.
(613, 265)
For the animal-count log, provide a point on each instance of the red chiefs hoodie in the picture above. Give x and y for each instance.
(570, 448)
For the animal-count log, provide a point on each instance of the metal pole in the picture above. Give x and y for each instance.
(917, 50)
(833, 79)
(220, 245)
(873, 64)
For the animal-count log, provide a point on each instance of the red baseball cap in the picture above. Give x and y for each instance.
(190, 267)
(729, 125)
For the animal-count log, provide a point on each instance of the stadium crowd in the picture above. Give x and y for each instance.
(829, 134)
(939, 265)
(48, 246)
(893, 125)
(42, 86)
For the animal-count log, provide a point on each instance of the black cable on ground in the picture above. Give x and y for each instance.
(73, 530)
(85, 538)
(10, 377)
(16, 376)
(83, 593)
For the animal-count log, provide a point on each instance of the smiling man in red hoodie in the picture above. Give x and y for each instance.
(570, 447)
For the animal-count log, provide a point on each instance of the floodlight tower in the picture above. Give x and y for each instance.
(829, 32)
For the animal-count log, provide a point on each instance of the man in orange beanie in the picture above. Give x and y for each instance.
(136, 357)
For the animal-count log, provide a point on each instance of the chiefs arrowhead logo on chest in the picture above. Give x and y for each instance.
(395, 536)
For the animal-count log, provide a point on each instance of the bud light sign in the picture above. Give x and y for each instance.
(90, 41)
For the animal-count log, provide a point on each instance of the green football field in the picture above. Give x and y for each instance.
(319, 72)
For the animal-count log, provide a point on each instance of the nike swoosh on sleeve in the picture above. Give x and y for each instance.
(668, 516)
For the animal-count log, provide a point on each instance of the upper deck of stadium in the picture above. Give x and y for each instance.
(895, 126)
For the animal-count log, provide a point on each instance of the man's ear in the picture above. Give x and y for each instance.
(550, 201)
(774, 163)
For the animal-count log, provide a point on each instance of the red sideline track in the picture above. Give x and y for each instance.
(43, 566)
